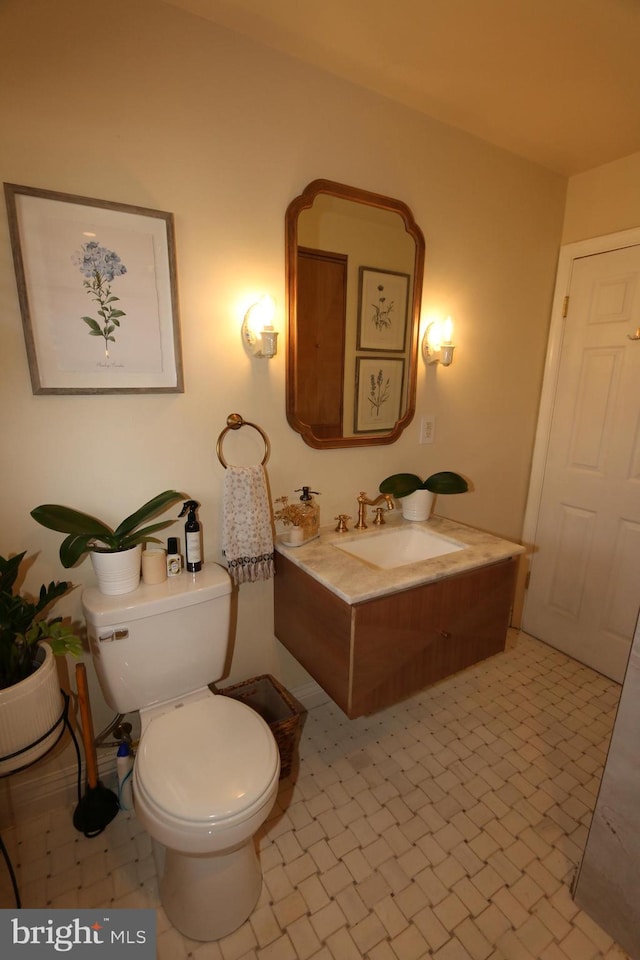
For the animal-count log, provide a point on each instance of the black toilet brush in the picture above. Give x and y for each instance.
(99, 805)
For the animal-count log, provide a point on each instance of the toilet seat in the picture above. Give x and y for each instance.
(209, 761)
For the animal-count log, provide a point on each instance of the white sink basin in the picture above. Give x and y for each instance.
(395, 548)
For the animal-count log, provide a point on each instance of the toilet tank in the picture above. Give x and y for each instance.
(160, 641)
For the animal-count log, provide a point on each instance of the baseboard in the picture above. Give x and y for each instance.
(49, 784)
(310, 694)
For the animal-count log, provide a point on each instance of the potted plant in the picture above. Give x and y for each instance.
(417, 495)
(293, 515)
(115, 554)
(30, 699)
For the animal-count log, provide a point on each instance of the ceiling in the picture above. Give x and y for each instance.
(555, 81)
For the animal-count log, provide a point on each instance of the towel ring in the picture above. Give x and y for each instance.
(234, 422)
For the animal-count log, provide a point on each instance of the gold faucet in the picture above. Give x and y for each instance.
(364, 502)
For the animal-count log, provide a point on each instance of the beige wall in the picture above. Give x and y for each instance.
(603, 200)
(142, 104)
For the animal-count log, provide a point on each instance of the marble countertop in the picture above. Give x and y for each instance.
(355, 580)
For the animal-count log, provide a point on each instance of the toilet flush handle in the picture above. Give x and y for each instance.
(114, 635)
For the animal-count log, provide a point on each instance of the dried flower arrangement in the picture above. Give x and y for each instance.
(291, 514)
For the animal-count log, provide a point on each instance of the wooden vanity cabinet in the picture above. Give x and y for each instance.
(369, 655)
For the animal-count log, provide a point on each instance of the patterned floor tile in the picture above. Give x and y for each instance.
(450, 826)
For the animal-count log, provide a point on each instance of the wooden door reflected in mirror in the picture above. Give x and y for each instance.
(354, 266)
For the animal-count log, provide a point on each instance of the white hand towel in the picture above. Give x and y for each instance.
(247, 534)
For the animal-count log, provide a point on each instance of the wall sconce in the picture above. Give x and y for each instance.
(437, 343)
(257, 328)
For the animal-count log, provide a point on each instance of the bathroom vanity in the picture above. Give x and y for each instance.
(371, 636)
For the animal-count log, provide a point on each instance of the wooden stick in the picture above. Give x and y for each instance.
(87, 726)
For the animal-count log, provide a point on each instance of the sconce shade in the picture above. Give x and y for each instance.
(269, 342)
(437, 343)
(258, 332)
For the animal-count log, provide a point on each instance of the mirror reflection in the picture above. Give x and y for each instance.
(354, 264)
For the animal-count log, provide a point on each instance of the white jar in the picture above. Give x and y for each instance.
(296, 535)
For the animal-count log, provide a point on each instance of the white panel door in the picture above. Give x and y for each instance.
(584, 589)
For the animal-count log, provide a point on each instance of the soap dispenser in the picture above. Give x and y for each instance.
(312, 512)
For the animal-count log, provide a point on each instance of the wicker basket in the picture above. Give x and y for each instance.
(275, 705)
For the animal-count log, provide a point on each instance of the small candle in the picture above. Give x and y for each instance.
(154, 565)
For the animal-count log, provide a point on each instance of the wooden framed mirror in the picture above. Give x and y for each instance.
(354, 268)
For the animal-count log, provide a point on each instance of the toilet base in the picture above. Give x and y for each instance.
(209, 896)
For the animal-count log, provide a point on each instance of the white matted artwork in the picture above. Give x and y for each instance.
(97, 290)
(382, 313)
(379, 385)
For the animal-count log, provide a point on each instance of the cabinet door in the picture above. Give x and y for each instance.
(476, 610)
(315, 626)
(408, 640)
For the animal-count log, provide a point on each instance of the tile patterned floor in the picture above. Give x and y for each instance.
(449, 826)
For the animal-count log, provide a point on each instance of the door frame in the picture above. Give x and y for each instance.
(568, 253)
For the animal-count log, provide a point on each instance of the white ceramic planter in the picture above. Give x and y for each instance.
(417, 506)
(27, 710)
(117, 573)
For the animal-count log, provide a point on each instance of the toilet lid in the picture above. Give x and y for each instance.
(207, 760)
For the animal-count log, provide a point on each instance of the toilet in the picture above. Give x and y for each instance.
(206, 771)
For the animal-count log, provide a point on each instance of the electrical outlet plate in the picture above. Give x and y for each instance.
(427, 428)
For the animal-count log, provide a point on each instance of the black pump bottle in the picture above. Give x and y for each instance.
(192, 549)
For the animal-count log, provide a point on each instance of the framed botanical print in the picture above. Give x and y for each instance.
(97, 290)
(379, 385)
(383, 296)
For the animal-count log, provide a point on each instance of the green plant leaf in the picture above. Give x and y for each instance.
(62, 639)
(72, 548)
(400, 484)
(92, 323)
(51, 593)
(21, 627)
(66, 520)
(147, 511)
(143, 536)
(85, 532)
(446, 482)
(9, 571)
